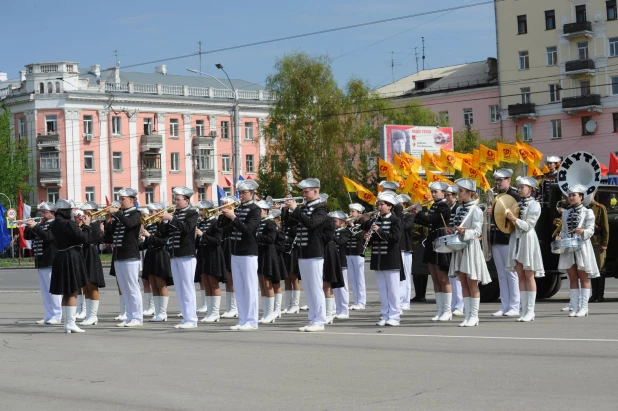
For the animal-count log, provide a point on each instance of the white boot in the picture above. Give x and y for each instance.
(574, 301)
(208, 309)
(330, 310)
(523, 299)
(88, 309)
(81, 307)
(149, 303)
(123, 311)
(264, 310)
(278, 298)
(583, 309)
(232, 311)
(474, 312)
(288, 301)
(213, 308)
(271, 315)
(447, 299)
(467, 303)
(70, 321)
(157, 304)
(65, 317)
(294, 302)
(92, 313)
(530, 303)
(440, 305)
(162, 316)
(204, 307)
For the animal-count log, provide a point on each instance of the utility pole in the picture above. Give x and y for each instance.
(423, 39)
(200, 48)
(117, 61)
(416, 57)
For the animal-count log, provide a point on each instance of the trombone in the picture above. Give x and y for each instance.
(156, 217)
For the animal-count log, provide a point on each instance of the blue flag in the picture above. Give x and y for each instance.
(220, 194)
(5, 235)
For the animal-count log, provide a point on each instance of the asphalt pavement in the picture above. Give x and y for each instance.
(554, 363)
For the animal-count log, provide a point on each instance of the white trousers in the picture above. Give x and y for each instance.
(342, 296)
(457, 301)
(311, 272)
(51, 303)
(356, 272)
(405, 287)
(183, 272)
(246, 288)
(127, 274)
(509, 283)
(388, 288)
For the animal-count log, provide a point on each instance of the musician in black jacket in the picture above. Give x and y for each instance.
(457, 305)
(342, 237)
(356, 261)
(124, 230)
(384, 234)
(311, 219)
(244, 222)
(434, 218)
(290, 256)
(180, 228)
(407, 247)
(44, 249)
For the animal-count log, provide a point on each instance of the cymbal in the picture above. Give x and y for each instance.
(504, 202)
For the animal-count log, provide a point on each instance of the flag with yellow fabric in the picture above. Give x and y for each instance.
(507, 153)
(401, 165)
(538, 156)
(545, 169)
(413, 162)
(483, 183)
(450, 161)
(470, 172)
(384, 168)
(429, 162)
(432, 177)
(365, 195)
(416, 187)
(350, 186)
(534, 171)
(488, 156)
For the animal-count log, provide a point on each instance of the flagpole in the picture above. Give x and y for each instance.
(349, 196)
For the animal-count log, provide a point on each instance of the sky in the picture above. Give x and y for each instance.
(143, 31)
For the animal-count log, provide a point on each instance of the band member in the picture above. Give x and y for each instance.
(434, 218)
(280, 250)
(244, 222)
(180, 227)
(210, 259)
(356, 261)
(332, 274)
(469, 264)
(599, 240)
(81, 302)
(393, 186)
(384, 234)
(552, 162)
(268, 267)
(231, 310)
(292, 284)
(407, 247)
(457, 303)
(508, 280)
(149, 304)
(92, 260)
(524, 255)
(124, 230)
(45, 249)
(311, 220)
(580, 265)
(342, 238)
(68, 269)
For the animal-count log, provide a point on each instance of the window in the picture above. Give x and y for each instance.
(585, 120)
(610, 6)
(582, 50)
(21, 123)
(50, 161)
(149, 195)
(225, 130)
(615, 119)
(526, 130)
(116, 196)
(148, 126)
(53, 194)
(249, 161)
(42, 88)
(90, 194)
(249, 131)
(552, 56)
(522, 24)
(372, 162)
(225, 163)
(525, 95)
(613, 47)
(554, 93)
(116, 126)
(88, 125)
(524, 62)
(615, 85)
(201, 194)
(50, 88)
(117, 161)
(174, 127)
(556, 129)
(51, 124)
(227, 191)
(204, 159)
(89, 160)
(151, 162)
(175, 162)
(584, 86)
(443, 117)
(199, 127)
(494, 114)
(580, 13)
(468, 118)
(550, 20)
(57, 87)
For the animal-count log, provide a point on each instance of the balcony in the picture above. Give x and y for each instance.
(589, 103)
(151, 142)
(203, 143)
(50, 176)
(526, 110)
(576, 68)
(151, 176)
(581, 28)
(51, 140)
(204, 177)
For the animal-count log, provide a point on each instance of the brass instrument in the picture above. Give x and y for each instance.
(485, 244)
(94, 215)
(25, 220)
(233, 204)
(418, 206)
(282, 200)
(156, 217)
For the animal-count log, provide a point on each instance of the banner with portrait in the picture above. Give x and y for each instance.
(414, 140)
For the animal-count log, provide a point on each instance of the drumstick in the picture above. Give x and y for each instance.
(444, 222)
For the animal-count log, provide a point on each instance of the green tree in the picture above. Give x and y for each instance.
(14, 165)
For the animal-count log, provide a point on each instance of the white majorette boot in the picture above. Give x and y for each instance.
(447, 299)
(288, 301)
(530, 303)
(81, 307)
(208, 309)
(71, 315)
(204, 307)
(65, 317)
(583, 309)
(330, 310)
(157, 304)
(523, 300)
(271, 316)
(232, 311)
(277, 311)
(294, 302)
(474, 312)
(213, 309)
(92, 313)
(440, 305)
(574, 301)
(149, 303)
(123, 311)
(162, 316)
(467, 302)
(88, 308)
(264, 310)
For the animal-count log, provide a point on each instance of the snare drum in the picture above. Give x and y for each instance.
(449, 241)
(566, 245)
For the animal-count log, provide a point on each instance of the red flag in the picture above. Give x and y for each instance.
(249, 178)
(227, 180)
(613, 164)
(604, 170)
(20, 216)
(107, 203)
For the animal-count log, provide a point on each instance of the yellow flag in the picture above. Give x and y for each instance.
(350, 186)
(413, 162)
(488, 156)
(507, 153)
(450, 160)
(384, 168)
(470, 172)
(538, 156)
(545, 169)
(483, 183)
(432, 177)
(525, 155)
(429, 162)
(401, 166)
(416, 187)
(534, 171)
(365, 195)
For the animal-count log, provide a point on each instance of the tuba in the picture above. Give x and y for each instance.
(486, 246)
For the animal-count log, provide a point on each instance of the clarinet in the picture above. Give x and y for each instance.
(370, 235)
(293, 244)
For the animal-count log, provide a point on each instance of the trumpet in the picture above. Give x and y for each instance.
(235, 203)
(25, 220)
(282, 200)
(156, 217)
(417, 206)
(98, 214)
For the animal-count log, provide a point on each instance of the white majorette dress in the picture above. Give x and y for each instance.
(573, 218)
(470, 260)
(524, 243)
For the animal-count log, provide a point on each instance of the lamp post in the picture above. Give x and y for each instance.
(236, 134)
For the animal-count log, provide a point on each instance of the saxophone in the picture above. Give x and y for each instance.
(489, 198)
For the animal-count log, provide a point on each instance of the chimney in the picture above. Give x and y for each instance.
(162, 69)
(96, 70)
(4, 77)
(492, 65)
(115, 74)
(22, 75)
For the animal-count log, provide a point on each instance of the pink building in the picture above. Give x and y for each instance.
(94, 132)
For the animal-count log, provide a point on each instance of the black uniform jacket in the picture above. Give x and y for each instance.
(43, 243)
(385, 252)
(311, 220)
(181, 232)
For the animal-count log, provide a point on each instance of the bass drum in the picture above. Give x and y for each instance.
(546, 285)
